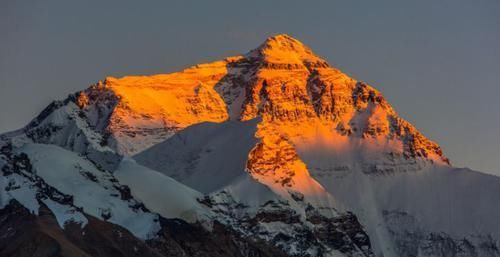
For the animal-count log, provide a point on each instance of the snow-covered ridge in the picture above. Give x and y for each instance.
(71, 187)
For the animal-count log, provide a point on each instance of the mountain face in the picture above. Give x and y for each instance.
(271, 153)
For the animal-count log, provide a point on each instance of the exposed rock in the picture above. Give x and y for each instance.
(24, 235)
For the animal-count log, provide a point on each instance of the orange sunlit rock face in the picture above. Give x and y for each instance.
(151, 108)
(275, 163)
(306, 104)
(303, 103)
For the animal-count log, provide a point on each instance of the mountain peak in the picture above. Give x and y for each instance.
(282, 49)
(283, 39)
(243, 149)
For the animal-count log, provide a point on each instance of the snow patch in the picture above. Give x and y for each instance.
(65, 214)
(160, 193)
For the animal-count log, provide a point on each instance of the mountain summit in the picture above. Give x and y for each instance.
(281, 80)
(286, 50)
(269, 153)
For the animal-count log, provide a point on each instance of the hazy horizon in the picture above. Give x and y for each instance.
(437, 63)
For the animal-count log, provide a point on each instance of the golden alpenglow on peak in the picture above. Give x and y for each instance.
(301, 100)
(283, 49)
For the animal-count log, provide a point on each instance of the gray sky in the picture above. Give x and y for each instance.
(437, 62)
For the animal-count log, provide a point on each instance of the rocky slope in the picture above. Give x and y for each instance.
(25, 234)
(271, 153)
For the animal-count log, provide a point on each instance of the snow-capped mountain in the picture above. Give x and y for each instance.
(271, 153)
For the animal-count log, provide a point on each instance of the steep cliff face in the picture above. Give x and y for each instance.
(297, 92)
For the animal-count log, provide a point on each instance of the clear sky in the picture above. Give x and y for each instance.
(437, 62)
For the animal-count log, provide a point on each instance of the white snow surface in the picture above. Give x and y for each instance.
(66, 127)
(75, 134)
(458, 202)
(161, 193)
(24, 193)
(206, 156)
(247, 190)
(65, 214)
(69, 173)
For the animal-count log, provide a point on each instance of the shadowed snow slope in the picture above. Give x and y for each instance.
(160, 193)
(412, 212)
(205, 156)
